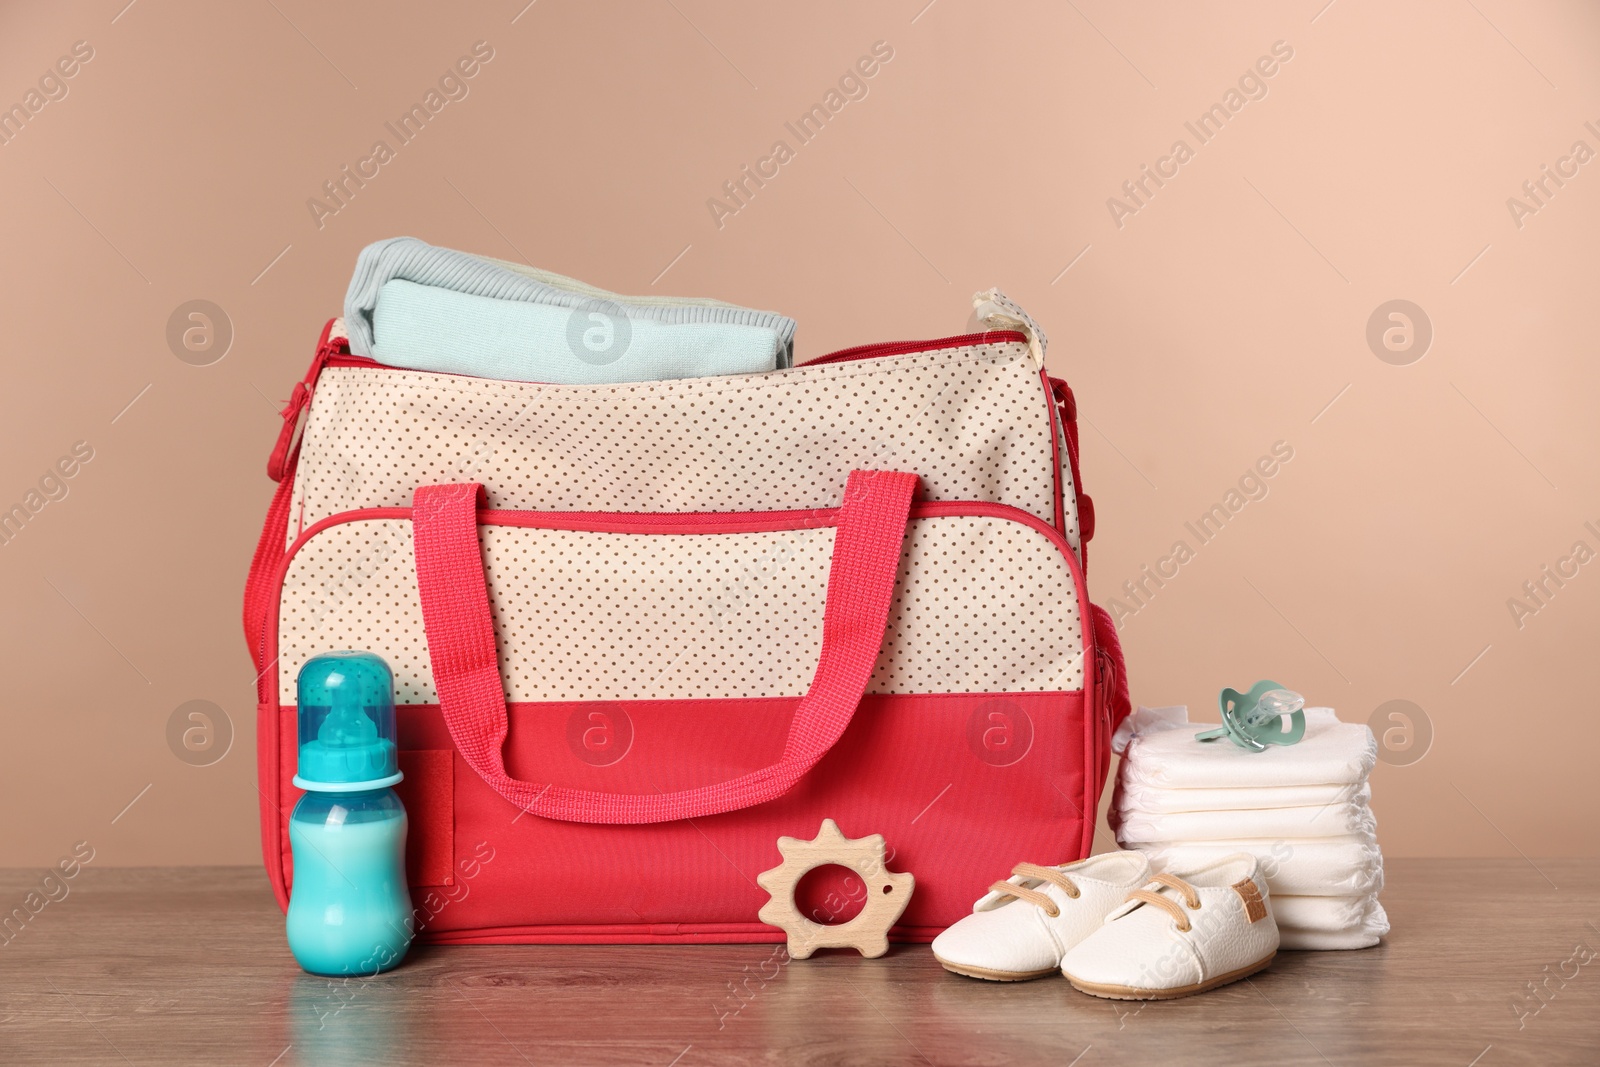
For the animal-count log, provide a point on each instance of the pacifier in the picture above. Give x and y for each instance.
(1268, 714)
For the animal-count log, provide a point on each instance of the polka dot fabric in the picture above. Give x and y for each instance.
(972, 422)
(982, 604)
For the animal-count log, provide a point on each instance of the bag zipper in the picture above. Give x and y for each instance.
(336, 352)
(844, 355)
(903, 348)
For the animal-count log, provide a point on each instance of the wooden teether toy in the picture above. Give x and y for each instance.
(888, 893)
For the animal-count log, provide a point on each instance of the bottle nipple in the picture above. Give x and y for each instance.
(347, 725)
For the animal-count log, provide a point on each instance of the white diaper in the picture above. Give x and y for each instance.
(1330, 866)
(1160, 743)
(1330, 922)
(1135, 826)
(1137, 793)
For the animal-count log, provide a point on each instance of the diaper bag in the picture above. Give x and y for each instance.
(641, 631)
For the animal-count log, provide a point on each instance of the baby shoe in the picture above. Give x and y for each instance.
(1180, 935)
(1024, 925)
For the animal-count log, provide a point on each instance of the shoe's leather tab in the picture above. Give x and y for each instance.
(1255, 909)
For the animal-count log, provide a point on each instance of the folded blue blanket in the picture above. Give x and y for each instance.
(426, 328)
(414, 305)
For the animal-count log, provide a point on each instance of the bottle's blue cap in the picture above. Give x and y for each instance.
(347, 728)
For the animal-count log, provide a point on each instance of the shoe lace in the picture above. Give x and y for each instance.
(1038, 873)
(1168, 904)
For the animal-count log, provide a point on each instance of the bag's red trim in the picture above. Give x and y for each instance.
(1057, 434)
(1066, 406)
(694, 522)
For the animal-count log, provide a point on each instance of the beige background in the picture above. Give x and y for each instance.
(1227, 314)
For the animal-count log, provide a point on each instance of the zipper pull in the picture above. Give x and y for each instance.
(288, 436)
(333, 340)
(997, 311)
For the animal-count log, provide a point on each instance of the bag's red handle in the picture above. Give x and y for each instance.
(870, 528)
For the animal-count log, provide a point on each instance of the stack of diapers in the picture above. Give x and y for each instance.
(416, 306)
(1304, 810)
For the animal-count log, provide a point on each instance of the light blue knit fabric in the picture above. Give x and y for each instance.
(412, 260)
(424, 327)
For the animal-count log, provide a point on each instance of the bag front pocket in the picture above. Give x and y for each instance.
(597, 606)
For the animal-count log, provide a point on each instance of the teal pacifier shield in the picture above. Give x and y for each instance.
(1268, 714)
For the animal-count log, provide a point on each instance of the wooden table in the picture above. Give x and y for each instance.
(189, 965)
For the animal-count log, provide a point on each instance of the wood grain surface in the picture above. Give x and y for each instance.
(189, 965)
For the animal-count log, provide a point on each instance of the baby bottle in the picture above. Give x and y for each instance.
(349, 908)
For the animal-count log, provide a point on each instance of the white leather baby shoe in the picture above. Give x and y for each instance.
(1024, 925)
(1180, 934)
